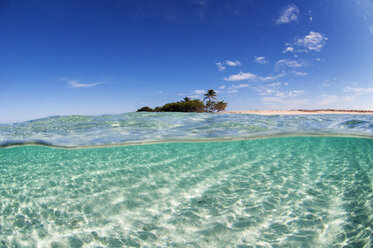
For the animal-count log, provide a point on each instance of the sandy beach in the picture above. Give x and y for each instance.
(302, 112)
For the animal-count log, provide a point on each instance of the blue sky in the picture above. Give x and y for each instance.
(97, 57)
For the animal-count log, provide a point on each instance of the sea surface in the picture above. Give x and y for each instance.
(187, 180)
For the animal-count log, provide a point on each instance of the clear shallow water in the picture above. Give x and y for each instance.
(275, 192)
(129, 128)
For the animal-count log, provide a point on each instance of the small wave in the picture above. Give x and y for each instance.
(12, 144)
(356, 123)
(148, 128)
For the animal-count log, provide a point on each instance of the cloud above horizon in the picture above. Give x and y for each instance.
(223, 65)
(194, 94)
(251, 77)
(350, 94)
(327, 99)
(288, 14)
(239, 86)
(260, 60)
(273, 90)
(199, 92)
(274, 97)
(313, 41)
(241, 76)
(358, 91)
(283, 63)
(300, 73)
(288, 49)
(76, 84)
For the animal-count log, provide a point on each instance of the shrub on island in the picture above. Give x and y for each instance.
(145, 109)
(189, 105)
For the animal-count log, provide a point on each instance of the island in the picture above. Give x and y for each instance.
(208, 104)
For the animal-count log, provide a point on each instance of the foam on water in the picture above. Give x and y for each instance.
(275, 192)
(130, 128)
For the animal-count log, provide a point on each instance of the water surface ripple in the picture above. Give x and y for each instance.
(128, 128)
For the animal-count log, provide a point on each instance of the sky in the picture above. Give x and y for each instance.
(106, 57)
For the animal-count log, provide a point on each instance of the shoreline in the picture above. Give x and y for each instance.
(302, 112)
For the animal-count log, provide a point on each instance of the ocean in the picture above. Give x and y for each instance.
(187, 180)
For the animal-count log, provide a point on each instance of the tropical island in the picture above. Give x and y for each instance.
(208, 104)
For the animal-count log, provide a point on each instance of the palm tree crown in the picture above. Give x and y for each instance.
(211, 94)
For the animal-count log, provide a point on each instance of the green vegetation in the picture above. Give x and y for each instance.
(189, 105)
(145, 109)
(220, 106)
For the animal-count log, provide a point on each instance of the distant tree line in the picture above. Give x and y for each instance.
(188, 105)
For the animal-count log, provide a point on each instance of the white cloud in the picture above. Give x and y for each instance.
(299, 73)
(76, 84)
(289, 63)
(336, 100)
(271, 78)
(194, 96)
(222, 87)
(199, 92)
(274, 84)
(273, 90)
(313, 41)
(284, 94)
(223, 65)
(358, 91)
(252, 77)
(234, 86)
(273, 97)
(288, 49)
(241, 76)
(327, 100)
(261, 60)
(295, 93)
(267, 92)
(232, 91)
(220, 66)
(232, 63)
(288, 14)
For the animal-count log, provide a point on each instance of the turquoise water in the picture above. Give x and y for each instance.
(139, 128)
(295, 191)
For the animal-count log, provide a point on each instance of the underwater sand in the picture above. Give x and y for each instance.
(294, 191)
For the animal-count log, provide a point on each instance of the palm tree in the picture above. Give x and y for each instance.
(220, 106)
(186, 99)
(211, 94)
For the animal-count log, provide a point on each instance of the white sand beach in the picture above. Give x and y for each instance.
(302, 112)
